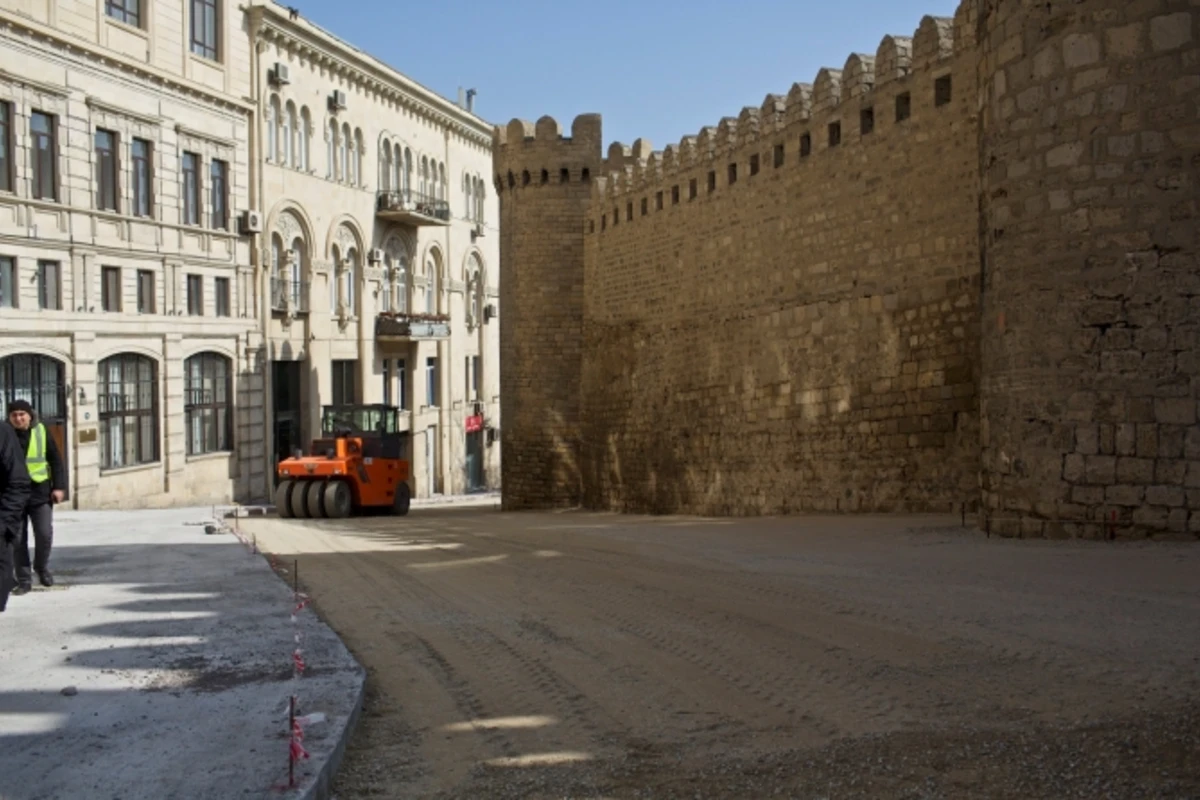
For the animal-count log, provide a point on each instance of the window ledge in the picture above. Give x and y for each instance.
(125, 26)
(115, 471)
(209, 456)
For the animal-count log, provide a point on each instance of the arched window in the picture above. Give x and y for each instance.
(408, 169)
(397, 167)
(424, 177)
(396, 287)
(385, 166)
(357, 156)
(208, 403)
(302, 137)
(474, 297)
(272, 134)
(335, 279)
(127, 396)
(349, 277)
(467, 194)
(299, 255)
(443, 187)
(431, 283)
(344, 157)
(480, 196)
(287, 136)
(278, 277)
(331, 137)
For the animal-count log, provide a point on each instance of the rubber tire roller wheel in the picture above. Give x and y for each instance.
(300, 499)
(283, 498)
(339, 501)
(316, 500)
(402, 500)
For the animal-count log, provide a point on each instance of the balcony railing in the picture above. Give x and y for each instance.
(405, 327)
(289, 296)
(413, 208)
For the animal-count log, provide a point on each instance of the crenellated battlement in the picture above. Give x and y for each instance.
(835, 94)
(887, 288)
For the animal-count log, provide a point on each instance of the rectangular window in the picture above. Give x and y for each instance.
(866, 120)
(49, 286)
(110, 288)
(191, 189)
(8, 282)
(903, 106)
(658, 201)
(208, 404)
(942, 91)
(754, 164)
(835, 134)
(692, 189)
(6, 147)
(221, 296)
(195, 295)
(143, 177)
(204, 21)
(42, 138)
(220, 194)
(431, 393)
(126, 11)
(805, 144)
(387, 381)
(674, 195)
(344, 380)
(779, 155)
(402, 374)
(107, 178)
(145, 292)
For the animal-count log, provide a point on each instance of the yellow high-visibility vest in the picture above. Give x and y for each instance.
(35, 456)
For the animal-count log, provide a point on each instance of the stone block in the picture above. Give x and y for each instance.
(1124, 495)
(1171, 31)
(1175, 411)
(1080, 50)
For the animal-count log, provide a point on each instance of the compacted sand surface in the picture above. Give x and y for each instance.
(593, 655)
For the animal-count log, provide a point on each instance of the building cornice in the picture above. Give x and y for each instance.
(11, 22)
(271, 25)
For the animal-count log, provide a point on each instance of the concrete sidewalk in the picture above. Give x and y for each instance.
(178, 645)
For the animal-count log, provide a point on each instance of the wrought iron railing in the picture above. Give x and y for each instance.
(414, 202)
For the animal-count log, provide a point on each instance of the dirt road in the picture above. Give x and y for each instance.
(592, 655)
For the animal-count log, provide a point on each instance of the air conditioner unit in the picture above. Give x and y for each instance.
(280, 74)
(250, 222)
(376, 256)
(489, 311)
(478, 230)
(337, 100)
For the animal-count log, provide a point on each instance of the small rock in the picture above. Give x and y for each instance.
(70, 691)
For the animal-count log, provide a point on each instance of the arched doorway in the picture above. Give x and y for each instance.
(42, 381)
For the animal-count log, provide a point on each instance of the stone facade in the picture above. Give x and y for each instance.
(961, 270)
(377, 207)
(128, 307)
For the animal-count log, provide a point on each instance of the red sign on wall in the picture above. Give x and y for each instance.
(474, 423)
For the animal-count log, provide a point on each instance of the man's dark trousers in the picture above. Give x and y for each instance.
(41, 516)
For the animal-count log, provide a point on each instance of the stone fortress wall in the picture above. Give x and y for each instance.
(960, 270)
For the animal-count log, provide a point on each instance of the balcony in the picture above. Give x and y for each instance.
(411, 208)
(405, 327)
(289, 297)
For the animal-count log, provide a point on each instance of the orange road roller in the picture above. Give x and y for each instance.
(358, 466)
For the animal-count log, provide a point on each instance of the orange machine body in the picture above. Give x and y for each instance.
(358, 465)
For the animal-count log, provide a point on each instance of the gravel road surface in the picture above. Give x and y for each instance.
(599, 656)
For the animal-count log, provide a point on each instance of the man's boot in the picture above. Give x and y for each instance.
(45, 578)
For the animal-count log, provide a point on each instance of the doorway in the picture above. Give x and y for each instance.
(286, 407)
(42, 381)
(474, 461)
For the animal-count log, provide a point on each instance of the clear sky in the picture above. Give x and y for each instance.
(658, 69)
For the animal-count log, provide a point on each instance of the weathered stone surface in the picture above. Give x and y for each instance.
(988, 298)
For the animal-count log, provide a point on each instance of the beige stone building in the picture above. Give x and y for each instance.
(379, 251)
(127, 306)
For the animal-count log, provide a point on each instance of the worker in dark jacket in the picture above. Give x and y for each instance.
(14, 497)
(48, 476)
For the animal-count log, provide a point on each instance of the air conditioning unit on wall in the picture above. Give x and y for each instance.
(489, 312)
(337, 100)
(280, 74)
(250, 222)
(376, 256)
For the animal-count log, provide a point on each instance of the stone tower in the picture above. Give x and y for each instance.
(1090, 162)
(544, 183)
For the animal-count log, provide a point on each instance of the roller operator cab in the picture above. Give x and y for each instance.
(360, 464)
